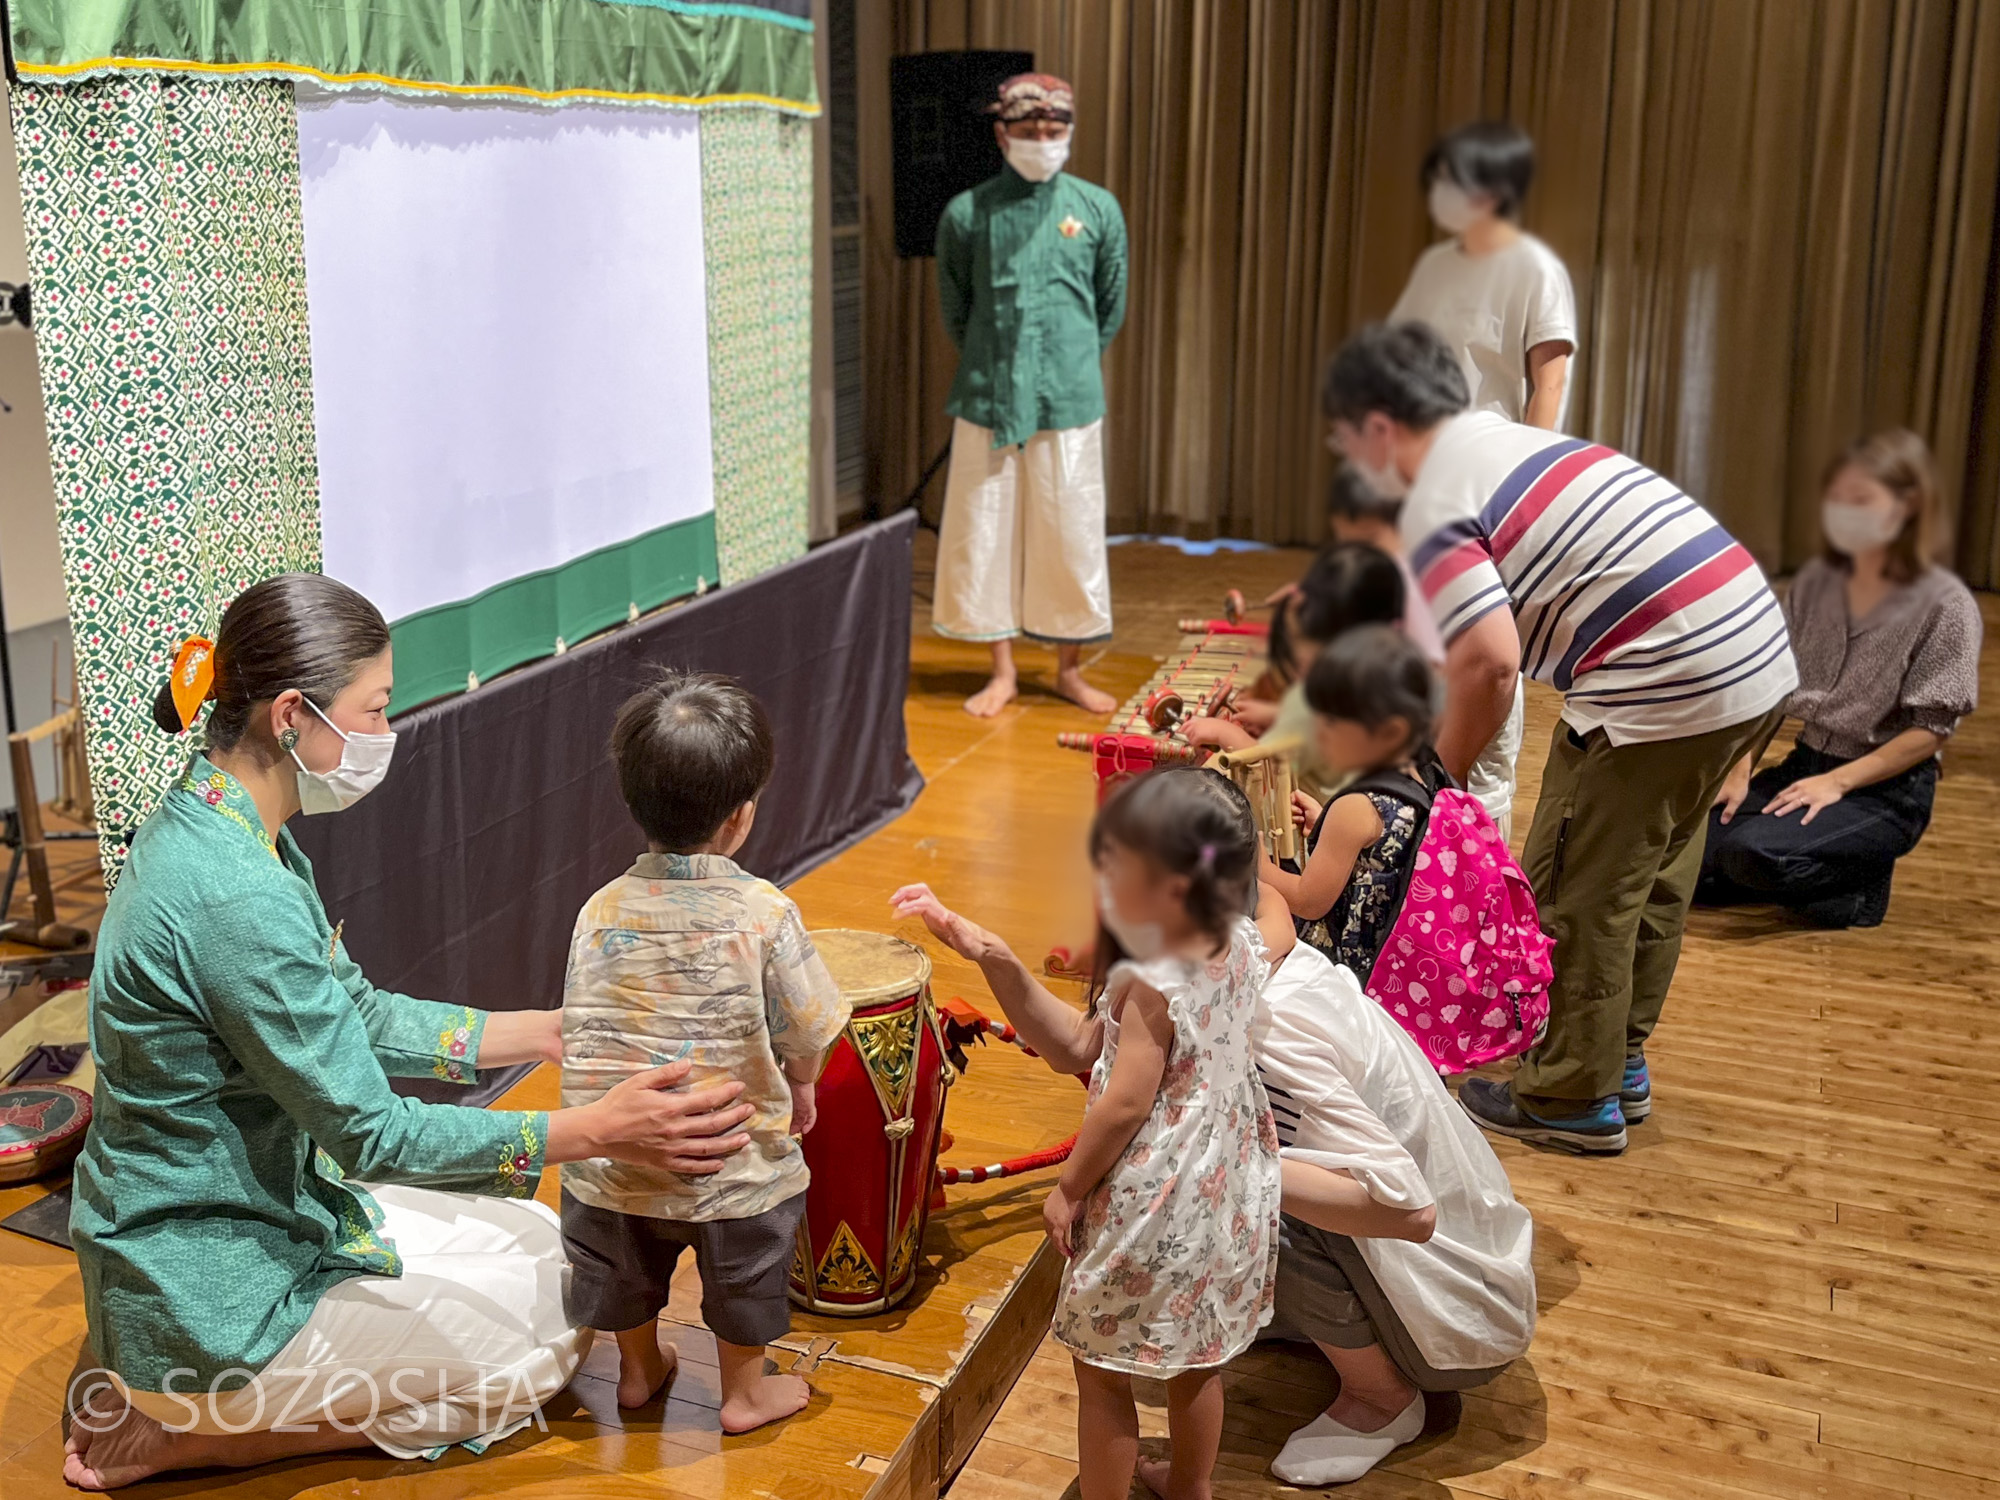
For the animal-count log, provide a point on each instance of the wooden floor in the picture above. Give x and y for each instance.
(1788, 1287)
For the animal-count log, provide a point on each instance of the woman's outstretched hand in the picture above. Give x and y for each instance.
(643, 1120)
(965, 938)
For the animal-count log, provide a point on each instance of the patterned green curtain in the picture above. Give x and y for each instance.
(756, 196)
(168, 256)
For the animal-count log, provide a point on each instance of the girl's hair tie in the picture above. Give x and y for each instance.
(1207, 860)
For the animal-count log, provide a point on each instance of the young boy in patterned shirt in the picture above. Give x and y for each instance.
(686, 956)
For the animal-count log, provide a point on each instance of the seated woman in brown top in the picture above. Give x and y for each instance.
(1888, 651)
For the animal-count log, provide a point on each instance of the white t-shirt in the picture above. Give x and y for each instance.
(1351, 1092)
(1493, 309)
(1630, 600)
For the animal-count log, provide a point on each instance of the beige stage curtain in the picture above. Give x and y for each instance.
(1779, 214)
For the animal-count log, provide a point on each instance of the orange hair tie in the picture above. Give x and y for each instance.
(194, 678)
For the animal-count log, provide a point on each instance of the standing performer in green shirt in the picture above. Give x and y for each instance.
(1031, 282)
(248, 1298)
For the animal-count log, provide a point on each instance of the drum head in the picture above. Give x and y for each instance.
(871, 967)
(41, 1128)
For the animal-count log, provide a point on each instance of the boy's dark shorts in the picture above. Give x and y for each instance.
(621, 1266)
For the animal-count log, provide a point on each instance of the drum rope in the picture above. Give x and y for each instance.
(1014, 1166)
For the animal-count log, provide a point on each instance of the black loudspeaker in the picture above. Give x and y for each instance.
(941, 133)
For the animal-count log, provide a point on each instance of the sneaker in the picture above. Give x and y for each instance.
(1328, 1452)
(1600, 1131)
(1635, 1090)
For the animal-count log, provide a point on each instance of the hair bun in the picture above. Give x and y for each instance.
(165, 713)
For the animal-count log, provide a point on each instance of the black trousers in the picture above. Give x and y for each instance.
(1835, 870)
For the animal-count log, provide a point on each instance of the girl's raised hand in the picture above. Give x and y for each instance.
(967, 939)
(1216, 731)
(1305, 812)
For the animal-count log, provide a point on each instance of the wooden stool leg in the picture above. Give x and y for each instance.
(45, 931)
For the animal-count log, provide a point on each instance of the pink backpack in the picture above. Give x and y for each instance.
(1465, 968)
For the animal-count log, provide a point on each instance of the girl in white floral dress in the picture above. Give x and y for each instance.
(1168, 1206)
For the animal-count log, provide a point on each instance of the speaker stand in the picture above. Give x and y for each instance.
(873, 511)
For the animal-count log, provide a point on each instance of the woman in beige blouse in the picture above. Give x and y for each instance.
(1888, 651)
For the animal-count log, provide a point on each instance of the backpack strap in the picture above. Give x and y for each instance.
(1418, 793)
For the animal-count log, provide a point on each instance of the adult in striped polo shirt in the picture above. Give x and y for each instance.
(1567, 560)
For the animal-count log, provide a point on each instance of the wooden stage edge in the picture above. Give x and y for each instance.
(929, 1375)
(936, 1448)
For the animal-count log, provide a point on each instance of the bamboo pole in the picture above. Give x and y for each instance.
(1284, 747)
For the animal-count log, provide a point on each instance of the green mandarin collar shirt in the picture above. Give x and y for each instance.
(1031, 283)
(243, 1067)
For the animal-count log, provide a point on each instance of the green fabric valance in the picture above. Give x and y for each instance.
(661, 52)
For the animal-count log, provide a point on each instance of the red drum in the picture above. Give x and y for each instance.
(41, 1129)
(873, 1154)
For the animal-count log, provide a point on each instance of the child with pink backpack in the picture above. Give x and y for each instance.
(1406, 880)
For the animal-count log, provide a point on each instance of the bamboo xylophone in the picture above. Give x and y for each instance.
(1217, 659)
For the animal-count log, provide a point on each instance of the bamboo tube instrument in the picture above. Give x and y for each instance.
(1264, 772)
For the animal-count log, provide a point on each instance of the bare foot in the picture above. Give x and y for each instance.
(1070, 683)
(1157, 1474)
(996, 695)
(770, 1398)
(101, 1456)
(643, 1371)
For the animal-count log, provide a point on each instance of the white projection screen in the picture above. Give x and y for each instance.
(510, 367)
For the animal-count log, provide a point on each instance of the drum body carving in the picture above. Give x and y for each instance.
(873, 1154)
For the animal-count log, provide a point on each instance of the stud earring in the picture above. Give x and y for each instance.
(287, 740)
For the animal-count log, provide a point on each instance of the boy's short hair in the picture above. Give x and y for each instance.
(1490, 157)
(691, 749)
(1349, 498)
(1404, 370)
(1348, 584)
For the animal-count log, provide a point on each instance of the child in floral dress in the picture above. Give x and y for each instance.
(1168, 1205)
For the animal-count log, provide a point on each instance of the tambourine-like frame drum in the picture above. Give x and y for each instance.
(42, 1127)
(873, 1154)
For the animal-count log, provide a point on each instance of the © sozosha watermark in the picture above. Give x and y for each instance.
(288, 1400)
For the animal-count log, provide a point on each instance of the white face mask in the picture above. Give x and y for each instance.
(364, 761)
(1452, 208)
(1037, 161)
(1142, 940)
(1387, 481)
(1859, 528)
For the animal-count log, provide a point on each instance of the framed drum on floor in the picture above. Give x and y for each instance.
(873, 1153)
(42, 1127)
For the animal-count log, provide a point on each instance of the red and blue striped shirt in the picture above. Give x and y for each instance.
(1629, 599)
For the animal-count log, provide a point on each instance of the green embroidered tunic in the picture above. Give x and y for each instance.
(233, 1035)
(1031, 282)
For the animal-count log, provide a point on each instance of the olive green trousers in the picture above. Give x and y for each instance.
(1613, 856)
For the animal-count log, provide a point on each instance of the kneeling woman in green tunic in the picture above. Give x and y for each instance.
(248, 1298)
